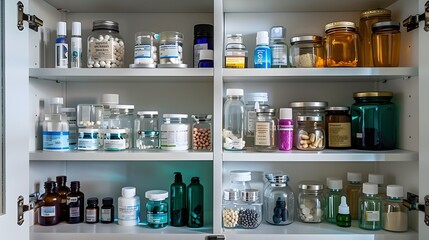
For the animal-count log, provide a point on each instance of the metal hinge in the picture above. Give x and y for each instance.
(412, 203)
(34, 203)
(412, 22)
(33, 21)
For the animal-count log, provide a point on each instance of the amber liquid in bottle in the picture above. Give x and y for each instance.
(75, 204)
(353, 191)
(49, 213)
(62, 190)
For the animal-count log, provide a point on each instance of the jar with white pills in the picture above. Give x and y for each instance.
(145, 50)
(171, 49)
(90, 119)
(105, 46)
(311, 202)
(174, 134)
(118, 135)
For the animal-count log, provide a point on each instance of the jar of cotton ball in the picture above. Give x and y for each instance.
(311, 202)
(171, 49)
(105, 45)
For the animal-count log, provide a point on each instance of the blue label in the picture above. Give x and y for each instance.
(262, 57)
(157, 218)
(55, 140)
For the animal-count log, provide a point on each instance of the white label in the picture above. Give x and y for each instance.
(114, 144)
(55, 141)
(87, 144)
(262, 134)
(76, 52)
(61, 55)
(237, 144)
(105, 215)
(143, 51)
(74, 212)
(47, 211)
(71, 200)
(373, 216)
(251, 119)
(279, 54)
(127, 213)
(174, 139)
(358, 135)
(102, 51)
(197, 48)
(91, 215)
(168, 51)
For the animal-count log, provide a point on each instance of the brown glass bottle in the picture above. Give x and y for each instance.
(49, 213)
(92, 211)
(107, 210)
(75, 204)
(62, 190)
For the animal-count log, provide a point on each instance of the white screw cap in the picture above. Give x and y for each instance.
(156, 195)
(335, 183)
(234, 92)
(262, 38)
(206, 54)
(128, 192)
(285, 113)
(76, 28)
(57, 100)
(238, 175)
(354, 177)
(110, 98)
(376, 178)
(61, 29)
(396, 191)
(370, 188)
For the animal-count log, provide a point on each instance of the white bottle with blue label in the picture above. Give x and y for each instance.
(262, 57)
(61, 46)
(56, 128)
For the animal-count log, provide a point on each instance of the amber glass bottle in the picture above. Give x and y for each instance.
(62, 190)
(75, 204)
(49, 213)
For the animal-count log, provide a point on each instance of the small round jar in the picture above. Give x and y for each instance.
(250, 211)
(386, 44)
(236, 55)
(307, 52)
(338, 127)
(157, 208)
(146, 49)
(146, 132)
(310, 133)
(88, 139)
(174, 134)
(230, 203)
(266, 130)
(342, 44)
(202, 133)
(311, 202)
(279, 201)
(105, 46)
(115, 140)
(121, 119)
(170, 47)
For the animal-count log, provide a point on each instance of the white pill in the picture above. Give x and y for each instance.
(121, 43)
(107, 66)
(90, 65)
(100, 37)
(102, 63)
(113, 65)
(116, 39)
(108, 62)
(96, 65)
(107, 37)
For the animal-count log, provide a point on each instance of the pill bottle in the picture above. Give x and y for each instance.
(206, 59)
(279, 201)
(171, 48)
(250, 209)
(395, 215)
(341, 44)
(239, 180)
(279, 48)
(106, 47)
(107, 210)
(353, 190)
(128, 207)
(235, 53)
(146, 131)
(370, 207)
(231, 198)
(338, 127)
(92, 212)
(119, 133)
(386, 43)
(311, 202)
(195, 203)
(367, 19)
(75, 203)
(70, 114)
(373, 121)
(202, 132)
(266, 130)
(203, 40)
(310, 133)
(49, 213)
(254, 101)
(233, 129)
(174, 134)
(145, 49)
(307, 52)
(333, 199)
(285, 130)
(157, 208)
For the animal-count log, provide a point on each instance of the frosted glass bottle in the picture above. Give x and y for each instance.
(233, 129)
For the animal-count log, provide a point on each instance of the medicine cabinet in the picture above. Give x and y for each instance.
(199, 91)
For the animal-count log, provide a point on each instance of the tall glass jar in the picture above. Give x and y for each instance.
(170, 47)
(311, 202)
(119, 132)
(338, 127)
(266, 130)
(310, 133)
(395, 215)
(106, 47)
(235, 53)
(386, 44)
(89, 120)
(174, 134)
(231, 198)
(146, 133)
(279, 202)
(250, 209)
(254, 101)
(233, 129)
(367, 19)
(373, 121)
(202, 133)
(146, 49)
(342, 44)
(307, 52)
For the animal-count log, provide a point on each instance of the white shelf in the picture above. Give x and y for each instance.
(123, 74)
(130, 155)
(324, 231)
(317, 74)
(326, 155)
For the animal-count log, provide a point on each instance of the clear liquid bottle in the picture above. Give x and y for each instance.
(178, 213)
(370, 208)
(262, 57)
(195, 203)
(279, 48)
(75, 203)
(56, 128)
(62, 190)
(395, 215)
(333, 199)
(49, 213)
(233, 131)
(353, 191)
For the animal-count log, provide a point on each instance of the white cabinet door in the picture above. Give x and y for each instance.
(15, 105)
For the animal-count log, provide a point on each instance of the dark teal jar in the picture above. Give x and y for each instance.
(374, 121)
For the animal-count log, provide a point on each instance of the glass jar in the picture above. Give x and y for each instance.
(373, 121)
(250, 209)
(386, 44)
(254, 101)
(266, 130)
(157, 208)
(311, 135)
(342, 44)
(146, 134)
(146, 49)
(240, 180)
(230, 203)
(105, 46)
(89, 121)
(279, 202)
(71, 119)
(119, 128)
(235, 53)
(395, 215)
(170, 47)
(202, 133)
(174, 134)
(338, 127)
(233, 129)
(311, 202)
(88, 139)
(367, 19)
(307, 52)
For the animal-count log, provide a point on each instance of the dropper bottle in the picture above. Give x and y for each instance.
(344, 219)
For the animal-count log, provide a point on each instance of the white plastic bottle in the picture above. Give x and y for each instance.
(76, 46)
(128, 207)
(56, 128)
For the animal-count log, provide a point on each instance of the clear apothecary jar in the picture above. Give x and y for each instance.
(311, 202)
(202, 133)
(386, 44)
(279, 201)
(307, 52)
(174, 133)
(90, 118)
(146, 132)
(311, 133)
(170, 47)
(266, 127)
(341, 44)
(249, 209)
(146, 49)
(106, 47)
(338, 127)
(235, 52)
(119, 128)
(231, 198)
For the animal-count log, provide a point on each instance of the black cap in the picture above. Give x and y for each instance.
(75, 184)
(178, 177)
(49, 184)
(195, 180)
(107, 201)
(203, 30)
(61, 179)
(92, 201)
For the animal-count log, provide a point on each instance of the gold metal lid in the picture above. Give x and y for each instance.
(378, 12)
(342, 24)
(373, 94)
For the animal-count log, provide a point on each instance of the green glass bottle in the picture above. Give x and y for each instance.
(178, 213)
(333, 199)
(195, 203)
(370, 208)
(344, 219)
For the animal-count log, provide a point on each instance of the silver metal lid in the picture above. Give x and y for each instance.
(309, 104)
(310, 185)
(180, 65)
(250, 195)
(309, 118)
(202, 117)
(147, 113)
(265, 110)
(386, 25)
(309, 38)
(143, 65)
(277, 177)
(105, 24)
(231, 195)
(337, 108)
